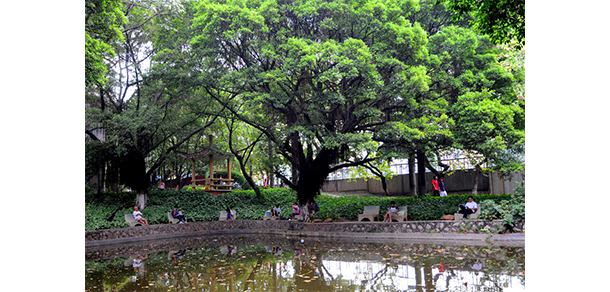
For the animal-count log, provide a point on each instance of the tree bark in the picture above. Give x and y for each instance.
(412, 176)
(142, 200)
(421, 173)
(477, 173)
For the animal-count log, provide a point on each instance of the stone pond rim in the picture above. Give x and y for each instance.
(439, 230)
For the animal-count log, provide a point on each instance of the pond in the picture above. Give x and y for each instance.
(282, 263)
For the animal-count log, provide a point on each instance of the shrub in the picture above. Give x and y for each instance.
(202, 206)
(509, 210)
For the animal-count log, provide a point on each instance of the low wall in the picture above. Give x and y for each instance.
(292, 228)
(459, 181)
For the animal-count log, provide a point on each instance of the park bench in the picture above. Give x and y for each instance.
(271, 217)
(131, 221)
(401, 215)
(223, 215)
(173, 220)
(475, 215)
(370, 213)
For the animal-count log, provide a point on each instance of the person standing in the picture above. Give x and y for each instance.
(435, 186)
(441, 187)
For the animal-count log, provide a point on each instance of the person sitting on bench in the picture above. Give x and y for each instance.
(229, 215)
(176, 214)
(470, 207)
(138, 216)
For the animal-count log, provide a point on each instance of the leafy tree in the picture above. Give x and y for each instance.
(459, 62)
(141, 112)
(317, 77)
(103, 22)
(502, 20)
(491, 128)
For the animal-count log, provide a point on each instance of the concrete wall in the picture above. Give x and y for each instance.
(458, 182)
(285, 227)
(505, 185)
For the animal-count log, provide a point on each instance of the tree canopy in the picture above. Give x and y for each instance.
(305, 85)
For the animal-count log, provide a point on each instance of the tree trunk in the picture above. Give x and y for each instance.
(412, 176)
(248, 178)
(270, 178)
(142, 200)
(475, 184)
(384, 184)
(421, 173)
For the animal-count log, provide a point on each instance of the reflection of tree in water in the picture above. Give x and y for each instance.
(360, 268)
(308, 272)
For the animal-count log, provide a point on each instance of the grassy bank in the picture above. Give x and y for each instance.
(201, 206)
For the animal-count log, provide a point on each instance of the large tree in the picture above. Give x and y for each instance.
(459, 62)
(317, 77)
(147, 114)
(502, 20)
(103, 22)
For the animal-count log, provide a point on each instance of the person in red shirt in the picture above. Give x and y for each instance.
(435, 185)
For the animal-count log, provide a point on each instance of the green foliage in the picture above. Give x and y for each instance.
(502, 20)
(202, 206)
(103, 21)
(195, 205)
(509, 210)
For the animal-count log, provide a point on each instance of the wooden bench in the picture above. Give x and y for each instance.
(271, 217)
(131, 221)
(401, 215)
(460, 216)
(223, 215)
(173, 220)
(370, 213)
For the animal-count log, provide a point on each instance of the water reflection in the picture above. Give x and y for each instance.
(230, 264)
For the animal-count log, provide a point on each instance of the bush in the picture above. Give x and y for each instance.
(509, 210)
(202, 206)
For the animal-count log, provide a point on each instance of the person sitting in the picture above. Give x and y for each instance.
(229, 215)
(275, 212)
(393, 211)
(295, 211)
(470, 207)
(138, 216)
(176, 214)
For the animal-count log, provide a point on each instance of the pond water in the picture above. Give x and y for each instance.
(236, 263)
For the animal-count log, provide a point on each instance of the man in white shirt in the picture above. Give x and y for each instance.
(469, 208)
(138, 216)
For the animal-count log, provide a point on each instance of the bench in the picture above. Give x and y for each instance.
(271, 217)
(173, 220)
(131, 221)
(223, 215)
(401, 215)
(370, 213)
(475, 215)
